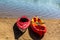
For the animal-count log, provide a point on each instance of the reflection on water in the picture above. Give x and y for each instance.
(44, 8)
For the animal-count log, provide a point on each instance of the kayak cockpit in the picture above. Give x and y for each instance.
(23, 20)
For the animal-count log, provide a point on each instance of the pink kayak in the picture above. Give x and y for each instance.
(23, 23)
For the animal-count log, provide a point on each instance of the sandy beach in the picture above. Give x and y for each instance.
(7, 30)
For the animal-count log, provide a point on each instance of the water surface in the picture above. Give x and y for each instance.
(42, 8)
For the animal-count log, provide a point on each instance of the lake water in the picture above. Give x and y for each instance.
(42, 8)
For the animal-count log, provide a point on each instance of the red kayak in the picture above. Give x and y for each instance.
(38, 26)
(23, 23)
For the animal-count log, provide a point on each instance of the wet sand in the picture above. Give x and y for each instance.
(8, 31)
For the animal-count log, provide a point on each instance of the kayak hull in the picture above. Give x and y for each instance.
(38, 31)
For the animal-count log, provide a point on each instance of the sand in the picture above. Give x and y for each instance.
(7, 30)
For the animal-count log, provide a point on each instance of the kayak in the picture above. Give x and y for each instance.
(23, 23)
(38, 26)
